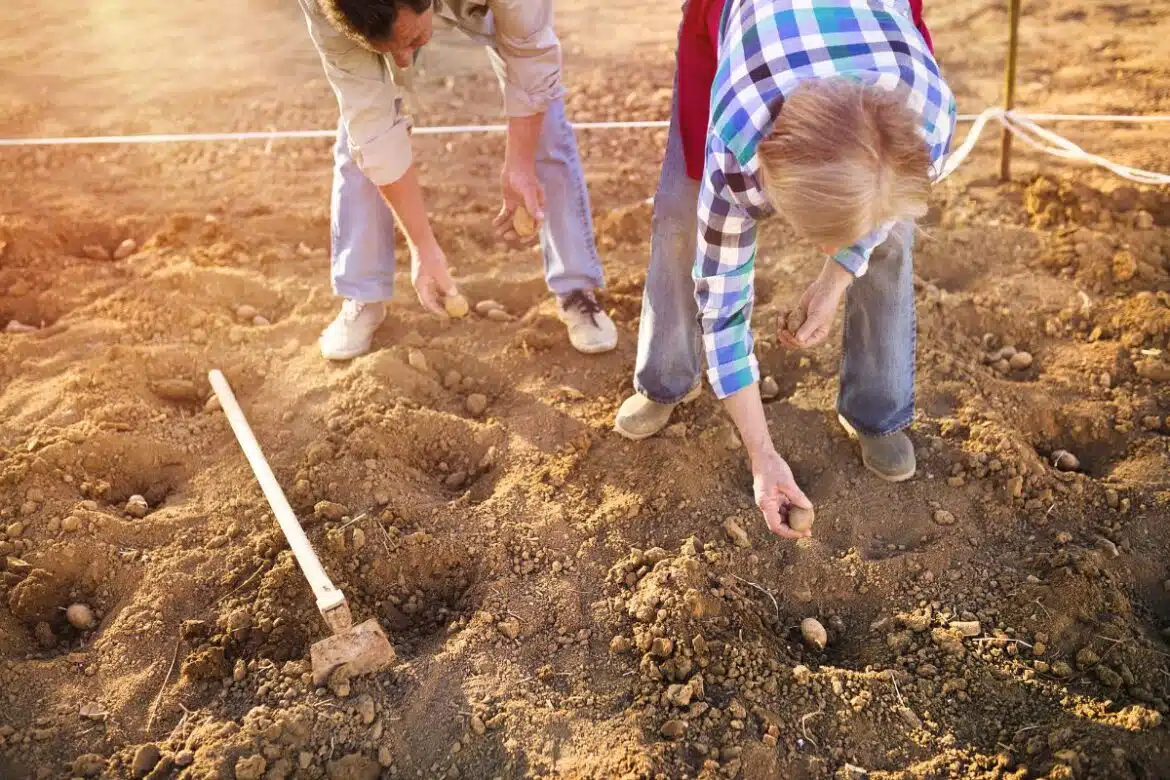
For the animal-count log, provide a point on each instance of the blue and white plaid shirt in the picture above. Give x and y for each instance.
(767, 48)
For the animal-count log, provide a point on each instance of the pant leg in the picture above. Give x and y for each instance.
(361, 231)
(571, 261)
(670, 349)
(877, 373)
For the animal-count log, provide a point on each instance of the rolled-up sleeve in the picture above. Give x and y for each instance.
(528, 55)
(369, 100)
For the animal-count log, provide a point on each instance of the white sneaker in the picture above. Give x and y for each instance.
(350, 334)
(590, 328)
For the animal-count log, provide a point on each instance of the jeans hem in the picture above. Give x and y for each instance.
(898, 427)
(661, 400)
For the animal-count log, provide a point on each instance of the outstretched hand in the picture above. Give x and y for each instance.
(776, 492)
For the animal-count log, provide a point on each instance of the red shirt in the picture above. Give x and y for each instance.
(698, 57)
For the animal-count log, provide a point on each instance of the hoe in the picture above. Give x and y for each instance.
(363, 648)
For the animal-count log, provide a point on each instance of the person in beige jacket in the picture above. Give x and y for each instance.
(375, 181)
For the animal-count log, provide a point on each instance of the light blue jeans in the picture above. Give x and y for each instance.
(362, 224)
(877, 373)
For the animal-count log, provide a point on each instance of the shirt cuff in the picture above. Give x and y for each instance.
(729, 378)
(384, 159)
(852, 261)
(519, 102)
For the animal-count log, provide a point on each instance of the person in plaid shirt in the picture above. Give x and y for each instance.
(834, 114)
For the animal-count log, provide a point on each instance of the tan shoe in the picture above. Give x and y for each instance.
(351, 333)
(590, 329)
(640, 418)
(890, 457)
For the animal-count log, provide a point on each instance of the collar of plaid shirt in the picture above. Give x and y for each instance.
(768, 47)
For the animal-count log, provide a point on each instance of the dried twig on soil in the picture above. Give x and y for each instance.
(763, 590)
(360, 516)
(243, 584)
(894, 680)
(167, 679)
(804, 727)
(1002, 639)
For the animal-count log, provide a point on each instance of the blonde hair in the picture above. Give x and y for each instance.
(843, 158)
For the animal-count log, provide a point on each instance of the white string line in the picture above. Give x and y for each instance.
(267, 135)
(1045, 141)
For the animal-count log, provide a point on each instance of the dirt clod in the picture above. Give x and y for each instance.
(145, 759)
(136, 506)
(476, 404)
(251, 768)
(736, 533)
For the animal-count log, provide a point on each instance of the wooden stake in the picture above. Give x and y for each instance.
(1009, 87)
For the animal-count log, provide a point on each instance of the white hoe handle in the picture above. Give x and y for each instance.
(328, 596)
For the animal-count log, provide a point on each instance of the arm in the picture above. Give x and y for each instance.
(724, 272)
(527, 59)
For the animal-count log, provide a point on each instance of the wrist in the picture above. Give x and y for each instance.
(836, 275)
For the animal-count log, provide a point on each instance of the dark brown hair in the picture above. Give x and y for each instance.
(369, 21)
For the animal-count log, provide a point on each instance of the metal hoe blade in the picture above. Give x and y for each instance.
(364, 648)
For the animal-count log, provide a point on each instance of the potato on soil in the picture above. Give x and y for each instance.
(814, 633)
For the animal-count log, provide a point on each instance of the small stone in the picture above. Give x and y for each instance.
(184, 758)
(674, 729)
(1124, 266)
(14, 530)
(620, 644)
(137, 506)
(478, 727)
(145, 759)
(385, 757)
(339, 682)
(1109, 678)
(509, 628)
(476, 404)
(328, 510)
(662, 647)
(366, 709)
(736, 533)
(251, 768)
(80, 616)
(240, 671)
(1064, 460)
(1087, 658)
(899, 641)
(1020, 361)
(246, 313)
(769, 389)
(814, 633)
(909, 717)
(943, 517)
(968, 628)
(417, 360)
(125, 249)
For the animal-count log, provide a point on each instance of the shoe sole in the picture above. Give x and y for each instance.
(686, 399)
(902, 476)
(597, 350)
